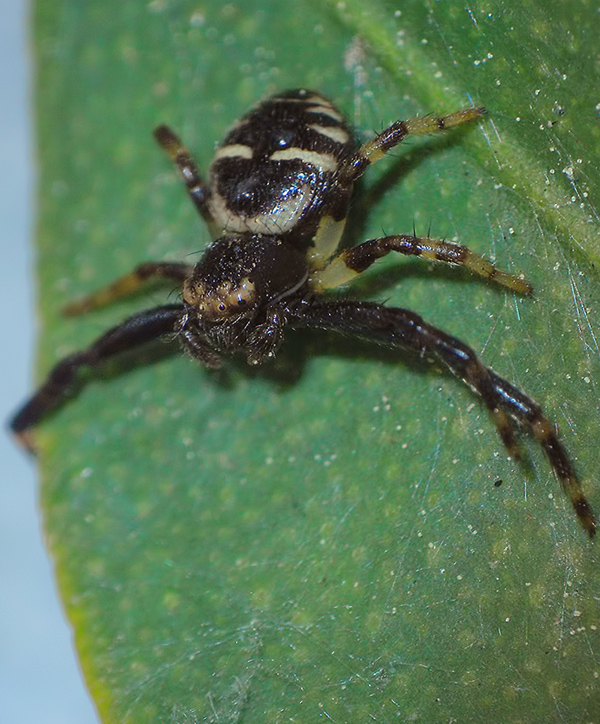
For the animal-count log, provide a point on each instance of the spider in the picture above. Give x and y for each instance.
(277, 199)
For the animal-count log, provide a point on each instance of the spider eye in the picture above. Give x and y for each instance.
(220, 302)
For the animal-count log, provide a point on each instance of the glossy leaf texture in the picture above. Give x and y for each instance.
(338, 535)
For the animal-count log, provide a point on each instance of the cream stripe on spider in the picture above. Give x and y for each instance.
(322, 161)
(336, 134)
(326, 111)
(235, 150)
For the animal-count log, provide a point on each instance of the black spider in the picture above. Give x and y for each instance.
(277, 200)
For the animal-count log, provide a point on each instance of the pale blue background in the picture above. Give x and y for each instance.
(39, 679)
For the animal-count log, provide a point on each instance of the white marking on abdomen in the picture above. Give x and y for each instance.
(327, 111)
(337, 134)
(235, 150)
(279, 219)
(322, 161)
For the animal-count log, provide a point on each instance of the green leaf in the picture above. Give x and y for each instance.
(340, 534)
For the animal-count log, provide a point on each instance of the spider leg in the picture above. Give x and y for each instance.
(133, 332)
(129, 284)
(399, 328)
(389, 138)
(188, 170)
(351, 262)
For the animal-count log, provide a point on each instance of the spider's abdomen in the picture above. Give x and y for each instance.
(275, 171)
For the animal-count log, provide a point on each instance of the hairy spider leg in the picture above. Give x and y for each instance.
(394, 327)
(137, 330)
(129, 284)
(187, 168)
(545, 433)
(352, 262)
(377, 147)
(347, 265)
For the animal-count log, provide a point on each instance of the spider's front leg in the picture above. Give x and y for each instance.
(139, 329)
(399, 328)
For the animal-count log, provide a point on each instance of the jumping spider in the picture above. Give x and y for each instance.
(277, 199)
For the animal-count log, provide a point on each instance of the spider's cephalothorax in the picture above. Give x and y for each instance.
(277, 199)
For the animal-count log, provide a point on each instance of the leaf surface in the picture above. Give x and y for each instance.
(340, 534)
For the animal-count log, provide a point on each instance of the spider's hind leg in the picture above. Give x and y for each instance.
(377, 147)
(187, 168)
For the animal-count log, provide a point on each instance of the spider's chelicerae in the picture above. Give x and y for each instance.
(277, 199)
